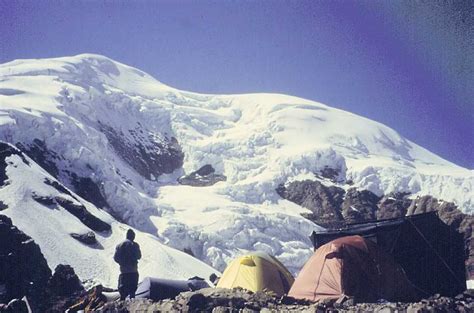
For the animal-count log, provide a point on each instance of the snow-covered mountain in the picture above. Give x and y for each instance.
(120, 139)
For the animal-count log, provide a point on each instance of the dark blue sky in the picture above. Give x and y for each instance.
(407, 64)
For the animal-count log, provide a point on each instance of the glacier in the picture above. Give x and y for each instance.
(134, 136)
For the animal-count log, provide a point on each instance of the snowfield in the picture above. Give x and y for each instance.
(111, 123)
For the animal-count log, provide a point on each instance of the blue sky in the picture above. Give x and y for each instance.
(407, 64)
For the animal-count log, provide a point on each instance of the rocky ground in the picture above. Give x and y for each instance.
(238, 300)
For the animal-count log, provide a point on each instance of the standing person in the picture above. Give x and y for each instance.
(127, 255)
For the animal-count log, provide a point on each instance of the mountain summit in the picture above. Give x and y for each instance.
(202, 173)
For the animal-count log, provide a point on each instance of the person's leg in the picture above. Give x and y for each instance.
(121, 288)
(123, 294)
(127, 290)
(133, 285)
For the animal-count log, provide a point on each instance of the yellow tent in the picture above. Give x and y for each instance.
(257, 271)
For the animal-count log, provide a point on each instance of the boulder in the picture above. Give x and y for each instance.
(64, 281)
(87, 238)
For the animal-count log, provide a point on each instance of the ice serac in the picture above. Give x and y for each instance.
(132, 136)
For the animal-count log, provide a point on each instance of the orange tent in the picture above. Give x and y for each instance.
(352, 266)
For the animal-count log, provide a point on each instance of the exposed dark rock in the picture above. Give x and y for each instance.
(44, 200)
(149, 154)
(23, 268)
(205, 176)
(288, 300)
(7, 150)
(324, 202)
(87, 238)
(205, 170)
(3, 206)
(422, 205)
(25, 272)
(393, 205)
(39, 152)
(89, 190)
(359, 206)
(196, 302)
(329, 173)
(59, 187)
(80, 211)
(64, 281)
(188, 251)
(17, 306)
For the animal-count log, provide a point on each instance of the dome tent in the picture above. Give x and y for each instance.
(257, 271)
(352, 266)
(421, 244)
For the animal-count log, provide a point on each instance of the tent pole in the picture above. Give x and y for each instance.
(436, 252)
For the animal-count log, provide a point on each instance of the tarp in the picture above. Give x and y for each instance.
(352, 266)
(257, 271)
(159, 289)
(430, 252)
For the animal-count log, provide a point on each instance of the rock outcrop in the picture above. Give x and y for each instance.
(7, 150)
(359, 206)
(393, 205)
(205, 176)
(23, 268)
(39, 152)
(323, 201)
(87, 238)
(64, 282)
(150, 154)
(24, 272)
(86, 188)
(330, 173)
(80, 211)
